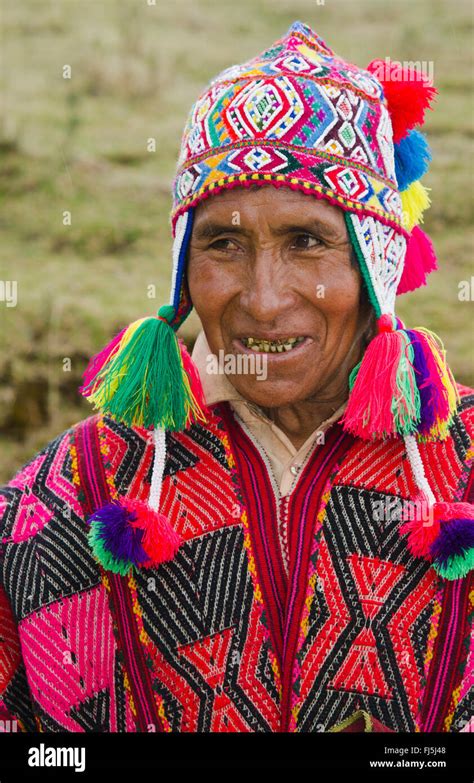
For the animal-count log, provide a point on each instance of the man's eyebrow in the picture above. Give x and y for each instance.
(210, 229)
(311, 224)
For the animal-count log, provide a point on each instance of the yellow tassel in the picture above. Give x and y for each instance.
(415, 200)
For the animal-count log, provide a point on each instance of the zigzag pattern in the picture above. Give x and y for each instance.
(45, 538)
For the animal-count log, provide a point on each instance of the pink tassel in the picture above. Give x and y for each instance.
(97, 362)
(160, 541)
(194, 381)
(420, 260)
(368, 413)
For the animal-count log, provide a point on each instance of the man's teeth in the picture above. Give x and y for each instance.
(272, 346)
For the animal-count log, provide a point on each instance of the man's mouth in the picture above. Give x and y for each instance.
(282, 345)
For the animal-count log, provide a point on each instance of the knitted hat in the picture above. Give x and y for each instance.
(298, 116)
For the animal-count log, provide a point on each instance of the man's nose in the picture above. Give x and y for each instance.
(267, 293)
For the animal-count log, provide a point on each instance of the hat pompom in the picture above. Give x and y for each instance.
(409, 93)
(415, 201)
(141, 379)
(127, 533)
(412, 156)
(160, 541)
(420, 260)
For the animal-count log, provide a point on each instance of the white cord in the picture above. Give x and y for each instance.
(159, 441)
(416, 463)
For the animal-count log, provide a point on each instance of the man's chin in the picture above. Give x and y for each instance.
(269, 393)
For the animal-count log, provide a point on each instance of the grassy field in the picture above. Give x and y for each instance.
(80, 145)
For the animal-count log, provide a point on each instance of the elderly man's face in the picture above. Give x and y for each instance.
(275, 264)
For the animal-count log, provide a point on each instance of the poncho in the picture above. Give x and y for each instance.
(273, 615)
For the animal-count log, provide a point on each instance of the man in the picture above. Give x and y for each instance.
(285, 548)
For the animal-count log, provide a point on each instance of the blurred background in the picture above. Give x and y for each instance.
(79, 145)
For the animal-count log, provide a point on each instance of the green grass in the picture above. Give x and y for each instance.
(80, 145)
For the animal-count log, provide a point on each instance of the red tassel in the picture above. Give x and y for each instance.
(408, 93)
(420, 260)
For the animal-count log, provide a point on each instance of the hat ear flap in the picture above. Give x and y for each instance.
(180, 297)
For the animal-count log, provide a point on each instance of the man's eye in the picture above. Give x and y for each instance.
(223, 244)
(306, 242)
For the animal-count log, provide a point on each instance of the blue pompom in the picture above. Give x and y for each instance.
(412, 156)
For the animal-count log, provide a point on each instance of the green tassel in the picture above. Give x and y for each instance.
(143, 384)
(406, 405)
(458, 566)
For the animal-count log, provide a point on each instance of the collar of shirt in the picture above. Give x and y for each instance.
(274, 445)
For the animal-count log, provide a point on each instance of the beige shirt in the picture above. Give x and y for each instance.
(284, 459)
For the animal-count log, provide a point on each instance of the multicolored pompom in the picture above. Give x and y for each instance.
(127, 533)
(444, 536)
